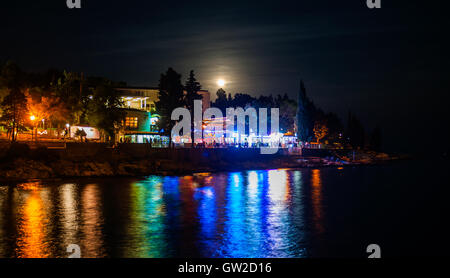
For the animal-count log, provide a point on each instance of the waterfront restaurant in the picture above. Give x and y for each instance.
(215, 135)
(140, 125)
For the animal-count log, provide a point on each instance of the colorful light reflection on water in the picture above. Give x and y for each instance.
(248, 214)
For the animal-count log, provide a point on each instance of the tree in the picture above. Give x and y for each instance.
(335, 128)
(71, 88)
(241, 100)
(288, 109)
(355, 132)
(45, 107)
(305, 111)
(376, 139)
(14, 114)
(192, 87)
(320, 130)
(104, 110)
(170, 97)
(49, 108)
(221, 100)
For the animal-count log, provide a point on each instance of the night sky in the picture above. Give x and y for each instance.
(388, 65)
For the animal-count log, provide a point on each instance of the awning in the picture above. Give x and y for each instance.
(131, 132)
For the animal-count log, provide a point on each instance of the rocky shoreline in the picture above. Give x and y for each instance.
(26, 169)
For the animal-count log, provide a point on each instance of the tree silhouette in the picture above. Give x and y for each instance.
(305, 110)
(70, 88)
(192, 87)
(376, 139)
(14, 114)
(355, 132)
(288, 109)
(170, 97)
(221, 100)
(103, 110)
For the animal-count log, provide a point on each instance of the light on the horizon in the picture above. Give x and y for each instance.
(221, 82)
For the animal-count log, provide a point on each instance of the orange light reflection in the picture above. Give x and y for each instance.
(31, 241)
(316, 182)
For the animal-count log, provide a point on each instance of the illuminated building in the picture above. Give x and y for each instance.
(215, 132)
(142, 98)
(140, 124)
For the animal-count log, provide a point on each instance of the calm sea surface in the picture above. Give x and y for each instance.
(327, 212)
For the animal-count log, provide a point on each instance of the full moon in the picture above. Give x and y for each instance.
(221, 82)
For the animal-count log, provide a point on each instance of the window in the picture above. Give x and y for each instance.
(131, 122)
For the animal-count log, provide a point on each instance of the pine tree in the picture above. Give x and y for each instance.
(170, 97)
(305, 110)
(192, 87)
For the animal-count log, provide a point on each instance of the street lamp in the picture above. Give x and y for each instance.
(67, 131)
(32, 118)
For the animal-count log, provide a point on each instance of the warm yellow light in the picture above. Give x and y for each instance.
(221, 82)
(32, 118)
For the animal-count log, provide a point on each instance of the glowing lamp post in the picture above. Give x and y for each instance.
(32, 118)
